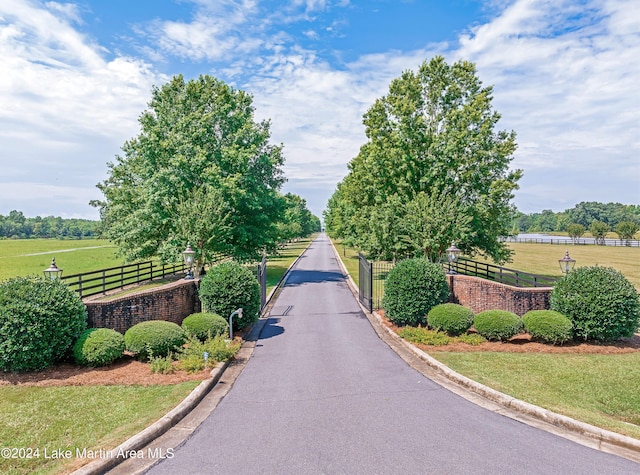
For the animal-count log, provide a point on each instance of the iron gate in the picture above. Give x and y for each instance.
(365, 282)
(261, 274)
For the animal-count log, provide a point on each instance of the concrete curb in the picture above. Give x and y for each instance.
(601, 436)
(604, 440)
(117, 455)
(121, 453)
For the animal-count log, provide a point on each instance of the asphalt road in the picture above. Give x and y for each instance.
(323, 394)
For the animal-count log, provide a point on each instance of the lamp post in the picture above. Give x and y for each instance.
(188, 256)
(53, 272)
(452, 255)
(566, 263)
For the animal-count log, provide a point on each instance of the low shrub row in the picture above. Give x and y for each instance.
(547, 326)
(201, 340)
(590, 303)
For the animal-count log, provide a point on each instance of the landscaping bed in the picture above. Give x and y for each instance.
(522, 343)
(126, 371)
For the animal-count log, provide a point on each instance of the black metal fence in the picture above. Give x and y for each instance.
(104, 280)
(372, 277)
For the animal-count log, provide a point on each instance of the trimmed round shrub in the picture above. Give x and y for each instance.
(98, 347)
(451, 318)
(548, 326)
(154, 339)
(228, 287)
(40, 319)
(412, 288)
(600, 302)
(497, 325)
(204, 325)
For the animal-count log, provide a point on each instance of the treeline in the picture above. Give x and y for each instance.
(585, 214)
(297, 221)
(16, 226)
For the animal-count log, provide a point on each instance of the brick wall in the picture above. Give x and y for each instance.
(172, 302)
(481, 294)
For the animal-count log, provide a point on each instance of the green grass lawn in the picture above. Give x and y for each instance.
(349, 257)
(22, 257)
(602, 390)
(543, 259)
(77, 417)
(91, 417)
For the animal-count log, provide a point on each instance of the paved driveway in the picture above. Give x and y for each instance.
(323, 394)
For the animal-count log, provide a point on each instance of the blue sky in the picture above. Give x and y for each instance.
(76, 75)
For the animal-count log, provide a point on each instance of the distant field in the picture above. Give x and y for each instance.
(543, 259)
(22, 257)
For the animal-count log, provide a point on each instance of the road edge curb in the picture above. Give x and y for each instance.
(603, 438)
(156, 429)
(170, 419)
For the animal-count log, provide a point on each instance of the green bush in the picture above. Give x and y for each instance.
(412, 288)
(154, 338)
(191, 357)
(497, 325)
(40, 319)
(98, 347)
(162, 365)
(205, 325)
(600, 302)
(451, 318)
(424, 336)
(227, 287)
(548, 325)
(472, 339)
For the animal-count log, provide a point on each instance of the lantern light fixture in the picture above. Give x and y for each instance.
(452, 255)
(188, 255)
(566, 263)
(53, 272)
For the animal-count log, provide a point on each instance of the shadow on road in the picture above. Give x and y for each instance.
(299, 277)
(271, 329)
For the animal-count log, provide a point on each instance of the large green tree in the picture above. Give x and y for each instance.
(298, 221)
(200, 171)
(433, 133)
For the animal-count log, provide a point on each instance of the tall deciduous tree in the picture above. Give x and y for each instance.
(599, 231)
(201, 170)
(433, 133)
(627, 230)
(575, 231)
(298, 220)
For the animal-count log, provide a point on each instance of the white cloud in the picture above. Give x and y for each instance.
(565, 75)
(66, 109)
(218, 30)
(566, 81)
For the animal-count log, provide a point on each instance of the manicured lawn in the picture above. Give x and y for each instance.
(602, 390)
(543, 259)
(85, 417)
(77, 417)
(22, 257)
(349, 257)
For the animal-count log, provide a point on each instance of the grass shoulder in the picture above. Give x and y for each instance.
(75, 418)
